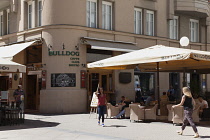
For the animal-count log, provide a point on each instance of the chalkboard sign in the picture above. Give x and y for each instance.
(63, 80)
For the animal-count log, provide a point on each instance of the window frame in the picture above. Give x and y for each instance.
(175, 28)
(8, 21)
(89, 24)
(39, 16)
(135, 21)
(104, 22)
(28, 14)
(150, 12)
(196, 32)
(1, 24)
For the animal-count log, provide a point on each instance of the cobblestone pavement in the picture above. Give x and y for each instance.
(85, 127)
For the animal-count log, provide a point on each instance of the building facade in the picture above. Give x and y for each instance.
(71, 33)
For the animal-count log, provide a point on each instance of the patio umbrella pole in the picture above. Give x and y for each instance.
(184, 78)
(158, 85)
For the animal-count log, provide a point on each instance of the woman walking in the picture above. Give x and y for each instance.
(101, 105)
(189, 104)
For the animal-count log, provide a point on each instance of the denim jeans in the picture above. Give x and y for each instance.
(101, 110)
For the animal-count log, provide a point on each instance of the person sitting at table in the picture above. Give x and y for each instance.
(203, 104)
(122, 100)
(125, 104)
(164, 98)
(150, 99)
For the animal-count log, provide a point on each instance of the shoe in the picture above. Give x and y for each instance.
(98, 122)
(196, 136)
(179, 132)
(102, 125)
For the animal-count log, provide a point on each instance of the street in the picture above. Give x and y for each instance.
(85, 127)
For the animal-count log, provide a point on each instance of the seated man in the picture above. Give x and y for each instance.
(125, 104)
(149, 99)
(204, 104)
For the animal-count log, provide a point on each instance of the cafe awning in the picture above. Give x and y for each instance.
(10, 66)
(109, 45)
(169, 59)
(7, 52)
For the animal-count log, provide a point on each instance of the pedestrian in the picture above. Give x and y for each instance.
(189, 104)
(101, 104)
(138, 94)
(18, 95)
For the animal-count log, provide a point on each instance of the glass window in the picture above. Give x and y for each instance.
(91, 13)
(29, 16)
(173, 28)
(137, 21)
(39, 13)
(150, 23)
(107, 15)
(194, 30)
(8, 21)
(1, 24)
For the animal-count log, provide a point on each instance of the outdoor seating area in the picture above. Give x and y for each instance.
(136, 112)
(11, 116)
(10, 112)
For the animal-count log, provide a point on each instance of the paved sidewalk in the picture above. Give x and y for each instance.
(85, 127)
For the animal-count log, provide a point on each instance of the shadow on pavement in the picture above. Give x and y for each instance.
(204, 137)
(29, 124)
(115, 126)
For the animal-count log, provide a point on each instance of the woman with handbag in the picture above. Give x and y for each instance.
(101, 104)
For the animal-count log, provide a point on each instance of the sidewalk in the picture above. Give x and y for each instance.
(85, 127)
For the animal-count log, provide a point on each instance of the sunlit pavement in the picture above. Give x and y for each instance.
(85, 127)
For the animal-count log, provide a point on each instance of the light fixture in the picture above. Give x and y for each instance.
(77, 47)
(184, 41)
(63, 46)
(49, 47)
(83, 65)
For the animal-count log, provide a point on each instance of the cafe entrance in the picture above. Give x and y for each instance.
(102, 79)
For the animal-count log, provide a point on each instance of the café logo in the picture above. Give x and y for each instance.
(4, 68)
(63, 53)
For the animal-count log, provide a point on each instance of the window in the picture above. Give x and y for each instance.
(8, 21)
(29, 15)
(173, 28)
(138, 21)
(107, 15)
(92, 13)
(194, 30)
(39, 13)
(150, 23)
(1, 24)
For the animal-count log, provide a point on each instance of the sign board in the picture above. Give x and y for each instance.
(94, 101)
(63, 80)
(4, 94)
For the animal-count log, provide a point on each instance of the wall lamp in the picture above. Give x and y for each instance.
(83, 65)
(63, 46)
(77, 47)
(49, 47)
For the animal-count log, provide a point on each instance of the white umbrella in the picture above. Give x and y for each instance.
(158, 58)
(10, 66)
(169, 58)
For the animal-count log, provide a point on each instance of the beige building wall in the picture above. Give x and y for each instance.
(64, 22)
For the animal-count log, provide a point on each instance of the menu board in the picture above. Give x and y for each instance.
(94, 101)
(63, 80)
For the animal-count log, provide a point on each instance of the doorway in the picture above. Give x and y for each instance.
(31, 93)
(103, 79)
(4, 83)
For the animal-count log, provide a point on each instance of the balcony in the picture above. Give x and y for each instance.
(199, 8)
